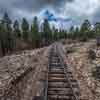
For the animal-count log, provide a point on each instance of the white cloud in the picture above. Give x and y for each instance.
(78, 10)
(81, 9)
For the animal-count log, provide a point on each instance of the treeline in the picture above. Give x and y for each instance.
(37, 36)
(85, 31)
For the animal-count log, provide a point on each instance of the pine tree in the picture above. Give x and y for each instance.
(77, 33)
(16, 29)
(7, 22)
(25, 28)
(86, 30)
(47, 32)
(97, 29)
(97, 32)
(56, 35)
(7, 30)
(86, 26)
(62, 34)
(35, 33)
(2, 39)
(71, 32)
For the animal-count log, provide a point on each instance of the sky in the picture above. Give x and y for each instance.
(59, 12)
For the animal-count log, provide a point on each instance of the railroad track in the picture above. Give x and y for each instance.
(61, 84)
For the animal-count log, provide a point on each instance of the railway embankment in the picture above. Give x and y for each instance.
(22, 75)
(83, 67)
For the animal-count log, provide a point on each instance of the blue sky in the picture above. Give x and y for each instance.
(76, 10)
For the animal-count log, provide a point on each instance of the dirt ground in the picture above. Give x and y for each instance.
(22, 76)
(81, 66)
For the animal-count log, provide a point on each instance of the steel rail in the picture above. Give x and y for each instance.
(65, 71)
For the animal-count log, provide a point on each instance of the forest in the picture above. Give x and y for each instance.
(15, 33)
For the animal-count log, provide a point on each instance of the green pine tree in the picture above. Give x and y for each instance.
(7, 30)
(2, 39)
(77, 33)
(35, 33)
(47, 32)
(86, 30)
(16, 29)
(25, 29)
(71, 32)
(97, 29)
